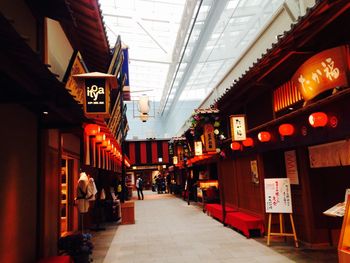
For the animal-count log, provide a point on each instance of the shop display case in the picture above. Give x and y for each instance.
(344, 240)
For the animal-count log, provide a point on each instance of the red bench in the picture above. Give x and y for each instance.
(215, 210)
(245, 222)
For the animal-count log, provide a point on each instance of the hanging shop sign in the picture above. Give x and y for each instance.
(76, 66)
(278, 198)
(209, 138)
(238, 127)
(324, 71)
(97, 93)
(96, 96)
(180, 153)
(198, 148)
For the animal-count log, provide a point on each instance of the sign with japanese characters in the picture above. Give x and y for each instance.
(209, 138)
(278, 197)
(324, 71)
(198, 148)
(238, 127)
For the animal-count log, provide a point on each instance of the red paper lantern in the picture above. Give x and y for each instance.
(318, 119)
(248, 142)
(235, 146)
(92, 129)
(286, 129)
(100, 137)
(264, 136)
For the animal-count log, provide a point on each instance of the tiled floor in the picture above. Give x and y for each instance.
(167, 230)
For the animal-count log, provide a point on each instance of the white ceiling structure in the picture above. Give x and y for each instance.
(180, 50)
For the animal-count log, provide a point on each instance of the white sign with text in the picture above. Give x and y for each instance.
(278, 197)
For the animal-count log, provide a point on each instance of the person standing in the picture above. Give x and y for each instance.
(139, 187)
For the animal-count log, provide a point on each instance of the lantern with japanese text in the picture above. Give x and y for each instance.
(264, 136)
(318, 119)
(286, 129)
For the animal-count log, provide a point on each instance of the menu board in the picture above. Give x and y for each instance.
(278, 198)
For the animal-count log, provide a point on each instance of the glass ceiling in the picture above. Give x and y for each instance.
(180, 50)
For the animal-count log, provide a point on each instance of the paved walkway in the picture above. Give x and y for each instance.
(167, 230)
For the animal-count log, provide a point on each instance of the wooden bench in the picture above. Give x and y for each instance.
(245, 222)
(215, 210)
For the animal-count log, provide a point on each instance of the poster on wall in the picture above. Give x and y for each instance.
(291, 166)
(278, 198)
(254, 171)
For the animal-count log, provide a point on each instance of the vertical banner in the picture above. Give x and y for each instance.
(209, 138)
(198, 148)
(291, 167)
(238, 127)
(278, 198)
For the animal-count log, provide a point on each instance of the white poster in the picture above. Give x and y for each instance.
(291, 167)
(278, 198)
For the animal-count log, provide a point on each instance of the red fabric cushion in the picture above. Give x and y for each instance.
(57, 259)
(244, 222)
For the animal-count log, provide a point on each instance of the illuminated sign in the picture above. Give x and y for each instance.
(322, 72)
(198, 148)
(238, 127)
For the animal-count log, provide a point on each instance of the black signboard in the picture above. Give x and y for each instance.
(95, 95)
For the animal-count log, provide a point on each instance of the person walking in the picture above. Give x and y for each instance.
(139, 187)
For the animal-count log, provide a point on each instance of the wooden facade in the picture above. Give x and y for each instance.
(264, 99)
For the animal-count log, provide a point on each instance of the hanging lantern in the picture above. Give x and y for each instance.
(248, 142)
(105, 143)
(109, 148)
(318, 119)
(175, 161)
(143, 105)
(92, 129)
(286, 129)
(100, 137)
(144, 117)
(264, 136)
(235, 146)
